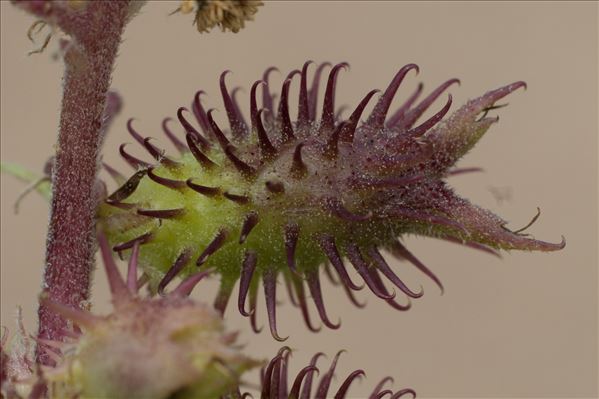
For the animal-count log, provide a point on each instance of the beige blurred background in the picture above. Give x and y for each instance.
(521, 326)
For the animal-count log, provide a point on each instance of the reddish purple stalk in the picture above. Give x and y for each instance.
(89, 58)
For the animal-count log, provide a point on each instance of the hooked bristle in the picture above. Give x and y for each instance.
(174, 270)
(238, 126)
(287, 134)
(216, 243)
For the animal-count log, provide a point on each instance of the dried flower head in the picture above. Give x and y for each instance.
(159, 348)
(227, 14)
(277, 197)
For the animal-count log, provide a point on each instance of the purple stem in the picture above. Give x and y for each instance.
(89, 58)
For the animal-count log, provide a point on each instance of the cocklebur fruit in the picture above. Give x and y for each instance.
(277, 197)
(165, 347)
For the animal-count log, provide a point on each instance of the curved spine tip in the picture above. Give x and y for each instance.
(314, 286)
(303, 112)
(270, 286)
(135, 163)
(159, 155)
(254, 103)
(163, 181)
(248, 267)
(313, 92)
(138, 137)
(328, 108)
(384, 267)
(267, 101)
(200, 114)
(236, 122)
(377, 117)
(189, 129)
(283, 117)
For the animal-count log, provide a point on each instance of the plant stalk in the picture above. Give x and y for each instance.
(70, 246)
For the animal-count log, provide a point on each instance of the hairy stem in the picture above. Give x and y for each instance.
(89, 58)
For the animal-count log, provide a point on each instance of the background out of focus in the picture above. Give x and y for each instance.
(521, 326)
